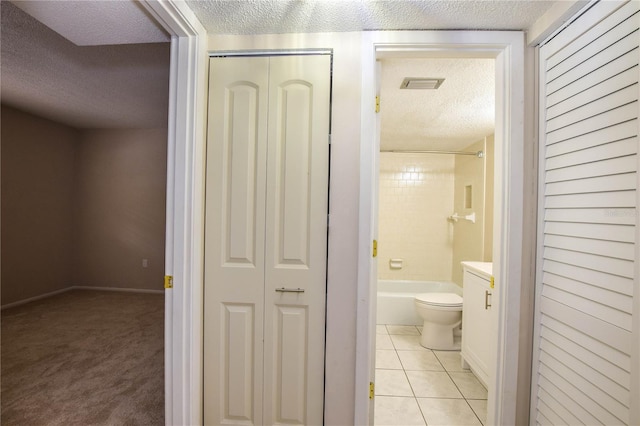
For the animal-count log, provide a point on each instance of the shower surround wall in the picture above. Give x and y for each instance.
(473, 241)
(418, 192)
(416, 197)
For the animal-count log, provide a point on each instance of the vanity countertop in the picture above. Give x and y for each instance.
(484, 269)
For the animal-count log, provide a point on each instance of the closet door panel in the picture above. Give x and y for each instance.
(240, 180)
(296, 229)
(238, 326)
(234, 240)
(290, 332)
(293, 144)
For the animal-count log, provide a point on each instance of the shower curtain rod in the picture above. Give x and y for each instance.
(478, 154)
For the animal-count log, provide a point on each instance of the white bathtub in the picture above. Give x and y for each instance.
(395, 299)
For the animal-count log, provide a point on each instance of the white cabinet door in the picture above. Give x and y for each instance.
(476, 326)
(266, 239)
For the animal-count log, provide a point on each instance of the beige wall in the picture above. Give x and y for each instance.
(38, 158)
(416, 197)
(468, 237)
(120, 208)
(80, 208)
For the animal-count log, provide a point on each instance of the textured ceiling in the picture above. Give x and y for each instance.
(97, 22)
(452, 117)
(126, 85)
(293, 16)
(111, 86)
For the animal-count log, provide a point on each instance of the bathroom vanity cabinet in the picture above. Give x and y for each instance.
(477, 319)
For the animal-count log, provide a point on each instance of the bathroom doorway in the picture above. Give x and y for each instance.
(514, 232)
(435, 209)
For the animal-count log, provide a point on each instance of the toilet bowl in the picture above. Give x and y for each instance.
(442, 313)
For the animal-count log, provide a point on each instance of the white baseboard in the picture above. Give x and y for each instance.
(123, 289)
(79, 287)
(34, 298)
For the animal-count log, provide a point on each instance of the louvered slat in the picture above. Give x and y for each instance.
(600, 330)
(572, 397)
(617, 199)
(622, 131)
(591, 376)
(620, 148)
(596, 91)
(602, 375)
(613, 372)
(541, 419)
(609, 118)
(589, 261)
(593, 23)
(618, 216)
(597, 310)
(608, 70)
(626, 164)
(603, 280)
(593, 400)
(616, 49)
(616, 27)
(625, 251)
(604, 232)
(625, 96)
(624, 182)
(554, 412)
(592, 344)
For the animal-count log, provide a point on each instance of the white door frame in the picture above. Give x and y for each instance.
(508, 48)
(184, 221)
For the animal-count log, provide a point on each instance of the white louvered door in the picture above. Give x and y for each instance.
(583, 357)
(266, 240)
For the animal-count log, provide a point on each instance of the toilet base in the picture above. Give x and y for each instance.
(439, 337)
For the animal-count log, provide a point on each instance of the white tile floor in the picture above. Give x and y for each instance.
(418, 386)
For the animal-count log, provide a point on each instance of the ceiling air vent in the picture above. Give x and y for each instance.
(421, 83)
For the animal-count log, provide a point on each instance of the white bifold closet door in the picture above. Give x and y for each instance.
(587, 250)
(266, 239)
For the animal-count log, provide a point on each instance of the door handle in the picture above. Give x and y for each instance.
(487, 305)
(290, 290)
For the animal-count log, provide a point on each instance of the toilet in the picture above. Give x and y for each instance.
(442, 313)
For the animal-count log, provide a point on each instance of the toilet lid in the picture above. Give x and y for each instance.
(440, 299)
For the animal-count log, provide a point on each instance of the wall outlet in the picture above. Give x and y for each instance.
(145, 263)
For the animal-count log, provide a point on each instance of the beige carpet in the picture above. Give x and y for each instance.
(84, 357)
